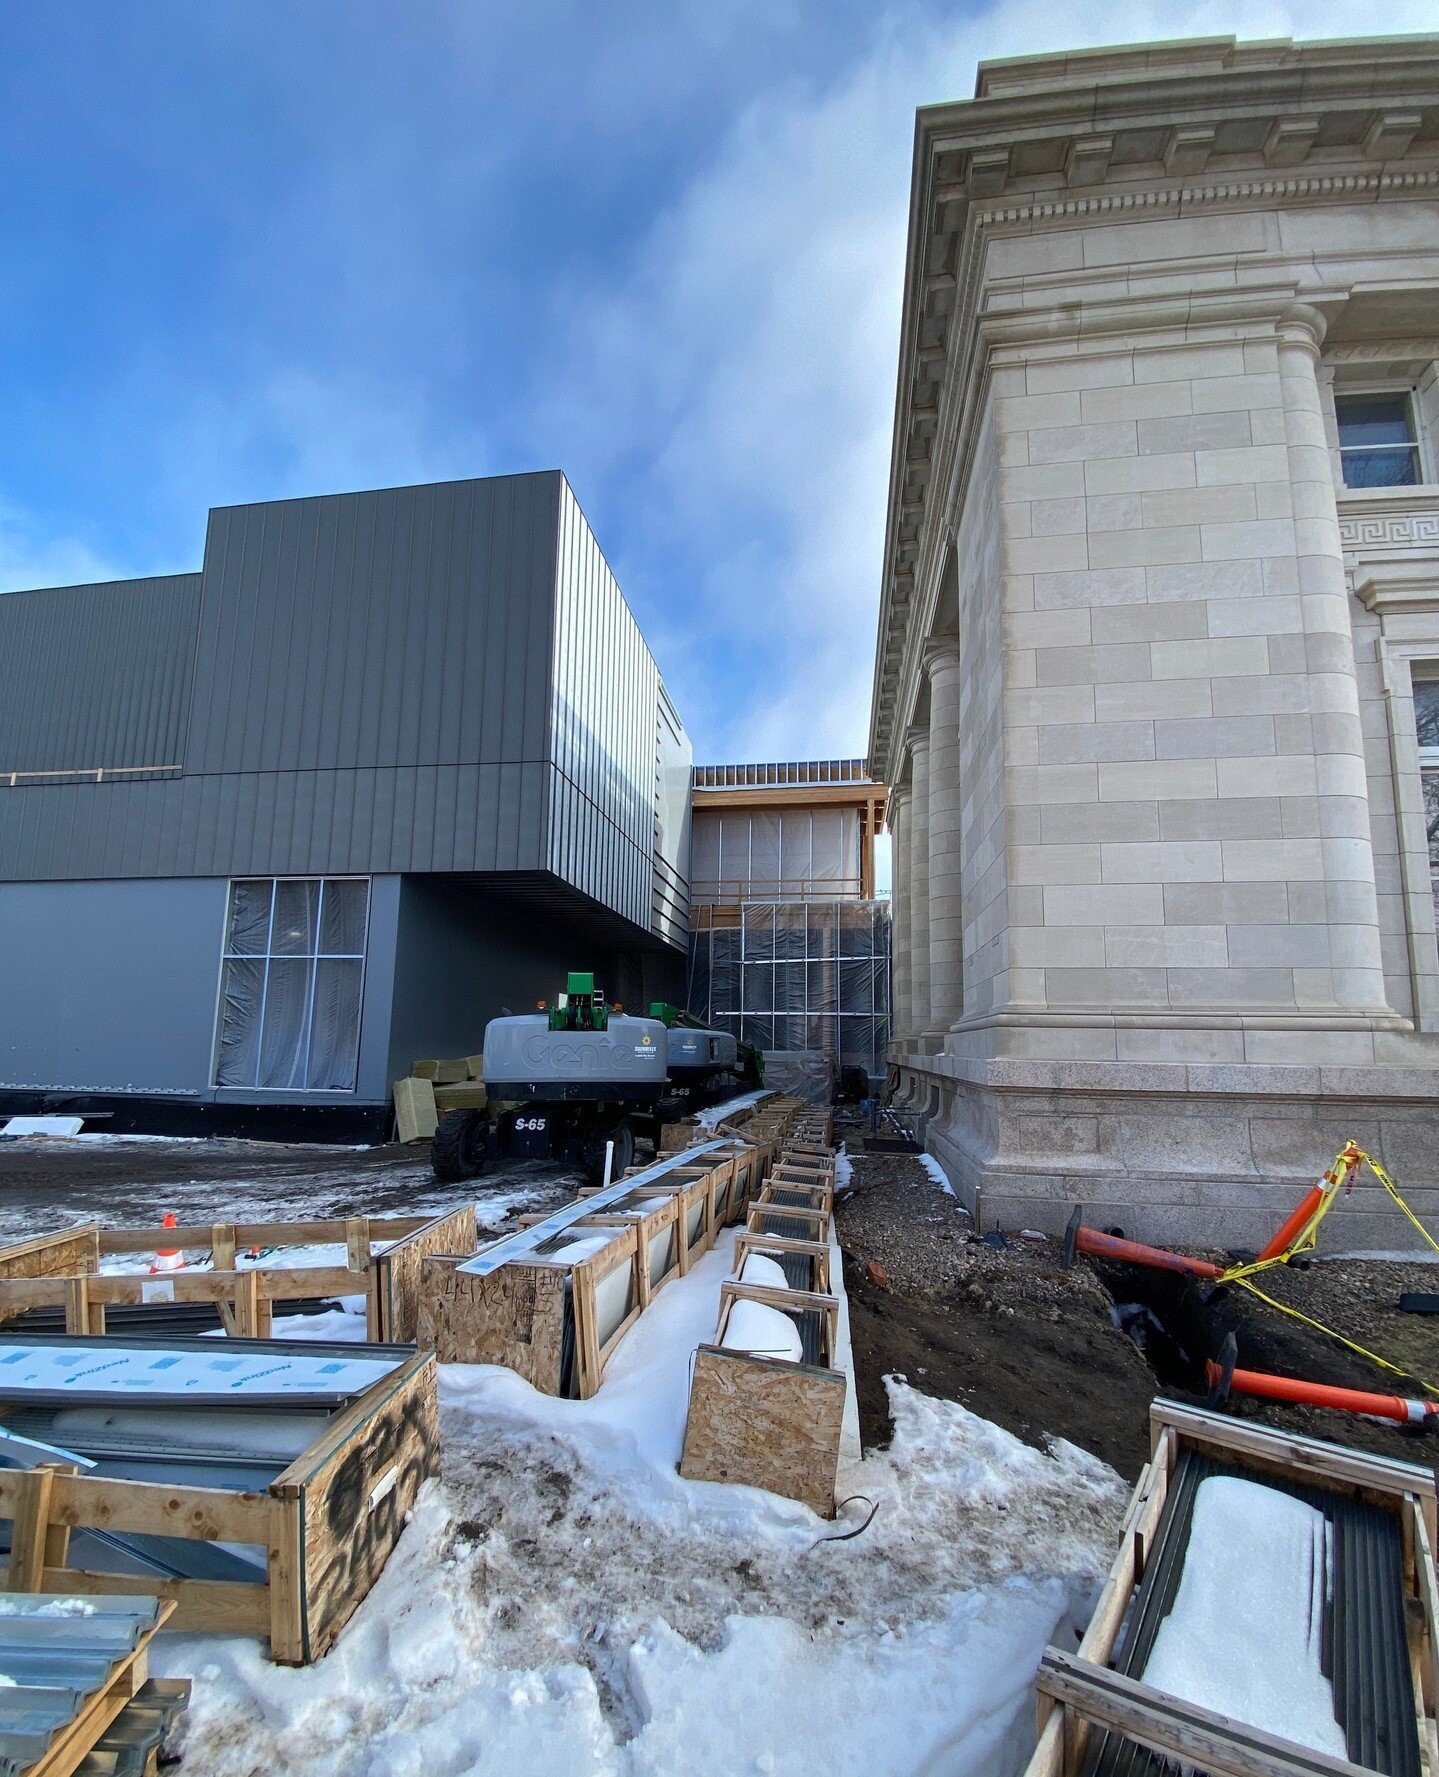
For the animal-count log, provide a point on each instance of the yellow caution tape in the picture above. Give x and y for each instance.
(1346, 1166)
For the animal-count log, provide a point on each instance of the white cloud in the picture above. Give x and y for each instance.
(747, 362)
(29, 559)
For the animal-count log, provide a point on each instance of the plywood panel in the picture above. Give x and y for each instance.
(514, 1316)
(763, 1424)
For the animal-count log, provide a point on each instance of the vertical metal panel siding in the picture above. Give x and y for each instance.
(404, 627)
(96, 677)
(606, 687)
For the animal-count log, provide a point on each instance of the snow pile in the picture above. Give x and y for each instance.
(843, 1171)
(762, 1269)
(563, 1602)
(1243, 1636)
(762, 1331)
(936, 1172)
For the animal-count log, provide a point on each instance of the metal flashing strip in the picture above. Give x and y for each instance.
(517, 1245)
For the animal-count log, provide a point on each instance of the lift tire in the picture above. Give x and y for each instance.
(457, 1150)
(623, 1136)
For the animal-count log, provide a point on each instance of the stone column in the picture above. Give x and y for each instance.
(918, 742)
(946, 817)
(1350, 905)
(900, 816)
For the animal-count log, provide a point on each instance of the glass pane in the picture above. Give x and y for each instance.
(342, 917)
(1380, 468)
(297, 910)
(789, 987)
(285, 1040)
(335, 1039)
(1431, 821)
(249, 929)
(1426, 711)
(759, 987)
(240, 988)
(1372, 419)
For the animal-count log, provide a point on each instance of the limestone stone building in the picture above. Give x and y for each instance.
(1158, 650)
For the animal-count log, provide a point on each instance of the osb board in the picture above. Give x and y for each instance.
(72, 1253)
(399, 1268)
(515, 1317)
(764, 1424)
(353, 1488)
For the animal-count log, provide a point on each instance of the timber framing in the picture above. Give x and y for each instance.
(774, 1422)
(62, 1270)
(1077, 1693)
(556, 1322)
(327, 1523)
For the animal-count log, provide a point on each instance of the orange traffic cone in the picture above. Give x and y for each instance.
(168, 1258)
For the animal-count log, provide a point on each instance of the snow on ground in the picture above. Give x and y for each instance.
(1244, 1637)
(936, 1172)
(563, 1602)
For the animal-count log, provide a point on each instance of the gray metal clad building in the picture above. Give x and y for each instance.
(390, 762)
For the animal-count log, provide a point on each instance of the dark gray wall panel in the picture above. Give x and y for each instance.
(110, 986)
(421, 819)
(409, 626)
(96, 677)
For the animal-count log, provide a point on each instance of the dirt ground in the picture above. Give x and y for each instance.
(130, 1182)
(1008, 1333)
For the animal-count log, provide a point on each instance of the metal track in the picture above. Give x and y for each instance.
(517, 1245)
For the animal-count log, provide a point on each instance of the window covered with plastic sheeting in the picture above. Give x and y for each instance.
(799, 978)
(791, 854)
(291, 982)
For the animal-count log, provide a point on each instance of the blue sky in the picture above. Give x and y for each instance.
(257, 248)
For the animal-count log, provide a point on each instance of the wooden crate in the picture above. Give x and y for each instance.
(34, 1274)
(763, 1421)
(398, 1271)
(517, 1315)
(1075, 1692)
(656, 1224)
(328, 1522)
(763, 1217)
(816, 1251)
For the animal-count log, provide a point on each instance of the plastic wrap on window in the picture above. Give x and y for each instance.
(241, 989)
(764, 861)
(336, 1019)
(248, 933)
(698, 987)
(802, 1073)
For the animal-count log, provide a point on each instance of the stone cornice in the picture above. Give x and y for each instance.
(1227, 132)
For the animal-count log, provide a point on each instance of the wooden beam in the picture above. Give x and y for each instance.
(1183, 1731)
(787, 796)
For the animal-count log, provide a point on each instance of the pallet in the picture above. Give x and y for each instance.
(33, 1273)
(328, 1522)
(1077, 1692)
(99, 1708)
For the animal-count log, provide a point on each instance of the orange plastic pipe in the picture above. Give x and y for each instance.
(1321, 1394)
(1110, 1246)
(1311, 1200)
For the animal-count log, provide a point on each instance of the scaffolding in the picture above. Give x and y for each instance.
(800, 979)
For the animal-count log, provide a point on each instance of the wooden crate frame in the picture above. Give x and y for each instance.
(819, 1220)
(768, 1244)
(768, 1422)
(515, 1315)
(398, 1271)
(33, 1273)
(1075, 1692)
(328, 1522)
(817, 1197)
(657, 1221)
